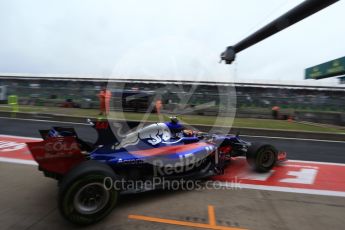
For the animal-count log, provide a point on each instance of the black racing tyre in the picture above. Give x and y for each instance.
(262, 157)
(84, 198)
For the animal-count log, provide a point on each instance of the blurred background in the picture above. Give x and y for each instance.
(80, 97)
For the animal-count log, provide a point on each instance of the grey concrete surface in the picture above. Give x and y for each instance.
(29, 201)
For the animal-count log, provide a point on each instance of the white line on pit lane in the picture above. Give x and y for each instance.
(294, 138)
(315, 162)
(17, 161)
(29, 138)
(268, 137)
(48, 121)
(284, 189)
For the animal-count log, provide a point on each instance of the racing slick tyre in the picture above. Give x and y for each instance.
(261, 157)
(84, 198)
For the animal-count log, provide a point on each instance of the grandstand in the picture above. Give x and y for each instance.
(54, 90)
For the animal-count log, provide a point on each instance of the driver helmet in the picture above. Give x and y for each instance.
(174, 125)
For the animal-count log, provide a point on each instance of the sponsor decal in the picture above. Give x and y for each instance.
(152, 134)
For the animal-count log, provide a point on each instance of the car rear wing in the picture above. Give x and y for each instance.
(62, 149)
(56, 155)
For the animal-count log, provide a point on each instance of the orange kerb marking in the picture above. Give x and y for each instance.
(211, 215)
(212, 221)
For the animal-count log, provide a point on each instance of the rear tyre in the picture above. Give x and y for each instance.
(262, 157)
(84, 198)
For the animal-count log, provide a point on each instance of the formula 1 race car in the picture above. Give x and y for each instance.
(91, 176)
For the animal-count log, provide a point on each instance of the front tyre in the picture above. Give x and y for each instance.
(83, 197)
(262, 157)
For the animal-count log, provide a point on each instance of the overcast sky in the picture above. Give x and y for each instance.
(176, 39)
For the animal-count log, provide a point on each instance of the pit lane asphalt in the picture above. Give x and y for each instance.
(28, 200)
(297, 149)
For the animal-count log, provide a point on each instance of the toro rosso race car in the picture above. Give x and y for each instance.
(87, 173)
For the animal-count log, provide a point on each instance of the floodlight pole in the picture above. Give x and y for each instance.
(300, 12)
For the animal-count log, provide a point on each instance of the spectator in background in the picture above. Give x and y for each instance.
(104, 101)
(275, 112)
(158, 106)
